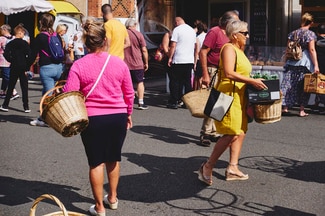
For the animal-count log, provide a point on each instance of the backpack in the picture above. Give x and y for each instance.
(294, 50)
(56, 49)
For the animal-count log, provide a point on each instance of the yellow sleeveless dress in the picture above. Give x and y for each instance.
(235, 122)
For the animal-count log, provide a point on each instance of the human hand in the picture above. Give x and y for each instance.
(259, 84)
(206, 80)
(129, 123)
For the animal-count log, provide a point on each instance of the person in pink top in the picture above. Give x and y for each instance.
(109, 108)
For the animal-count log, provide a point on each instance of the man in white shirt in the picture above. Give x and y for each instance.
(181, 61)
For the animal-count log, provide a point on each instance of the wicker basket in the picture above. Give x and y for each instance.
(196, 100)
(65, 112)
(268, 112)
(63, 211)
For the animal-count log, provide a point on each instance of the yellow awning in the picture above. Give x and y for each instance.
(64, 7)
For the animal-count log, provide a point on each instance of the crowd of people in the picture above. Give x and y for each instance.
(106, 61)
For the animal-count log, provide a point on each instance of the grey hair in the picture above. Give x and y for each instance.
(235, 27)
(130, 22)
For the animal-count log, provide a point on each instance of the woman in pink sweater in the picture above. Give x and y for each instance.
(109, 108)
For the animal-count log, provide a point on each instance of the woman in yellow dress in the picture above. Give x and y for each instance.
(234, 70)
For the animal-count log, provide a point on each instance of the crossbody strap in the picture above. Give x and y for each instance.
(99, 76)
(219, 80)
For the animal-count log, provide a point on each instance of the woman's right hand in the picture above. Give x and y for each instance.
(258, 84)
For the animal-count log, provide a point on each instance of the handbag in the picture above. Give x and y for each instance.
(195, 101)
(218, 104)
(159, 54)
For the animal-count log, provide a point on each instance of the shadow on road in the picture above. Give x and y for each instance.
(299, 170)
(15, 192)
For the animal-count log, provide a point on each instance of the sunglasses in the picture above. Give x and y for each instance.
(244, 33)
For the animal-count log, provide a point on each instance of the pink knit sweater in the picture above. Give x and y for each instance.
(114, 92)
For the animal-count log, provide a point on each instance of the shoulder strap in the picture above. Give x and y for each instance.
(136, 37)
(99, 76)
(219, 80)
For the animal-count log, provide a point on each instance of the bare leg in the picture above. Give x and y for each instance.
(96, 177)
(302, 112)
(222, 144)
(235, 151)
(113, 173)
(140, 90)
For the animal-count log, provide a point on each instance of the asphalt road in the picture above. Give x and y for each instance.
(285, 162)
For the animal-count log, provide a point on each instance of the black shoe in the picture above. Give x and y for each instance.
(172, 106)
(213, 138)
(143, 107)
(205, 141)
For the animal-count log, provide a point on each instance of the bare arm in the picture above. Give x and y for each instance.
(228, 56)
(165, 43)
(204, 63)
(145, 58)
(171, 51)
(313, 55)
(196, 52)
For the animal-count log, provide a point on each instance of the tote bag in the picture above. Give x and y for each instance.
(218, 104)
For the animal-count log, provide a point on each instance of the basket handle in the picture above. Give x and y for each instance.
(45, 96)
(51, 197)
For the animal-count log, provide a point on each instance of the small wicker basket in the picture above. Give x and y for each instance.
(63, 211)
(268, 112)
(65, 112)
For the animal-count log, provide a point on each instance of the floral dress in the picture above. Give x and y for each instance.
(292, 85)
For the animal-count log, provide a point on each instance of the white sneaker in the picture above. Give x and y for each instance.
(14, 96)
(4, 109)
(38, 122)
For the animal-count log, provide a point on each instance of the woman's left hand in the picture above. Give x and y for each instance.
(129, 123)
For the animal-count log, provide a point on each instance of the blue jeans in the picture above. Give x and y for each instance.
(49, 75)
(5, 78)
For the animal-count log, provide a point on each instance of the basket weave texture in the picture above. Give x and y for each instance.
(196, 100)
(63, 211)
(65, 112)
(268, 112)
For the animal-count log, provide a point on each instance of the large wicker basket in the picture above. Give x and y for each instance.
(63, 211)
(268, 112)
(196, 100)
(65, 112)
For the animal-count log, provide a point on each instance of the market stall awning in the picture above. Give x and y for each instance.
(8, 7)
(64, 7)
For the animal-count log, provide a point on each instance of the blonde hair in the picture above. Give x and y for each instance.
(235, 27)
(306, 19)
(60, 28)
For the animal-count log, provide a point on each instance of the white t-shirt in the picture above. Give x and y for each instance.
(185, 38)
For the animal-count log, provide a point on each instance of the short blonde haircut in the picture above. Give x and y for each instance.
(234, 27)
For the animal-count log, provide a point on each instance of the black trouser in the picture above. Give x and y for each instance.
(16, 73)
(179, 79)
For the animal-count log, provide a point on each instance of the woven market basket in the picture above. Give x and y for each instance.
(268, 112)
(196, 100)
(65, 112)
(63, 211)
